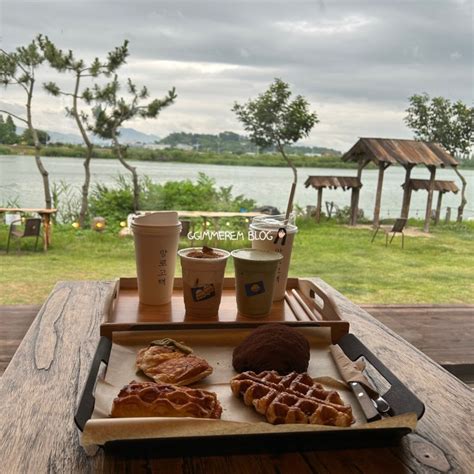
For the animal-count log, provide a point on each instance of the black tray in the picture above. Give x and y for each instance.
(400, 398)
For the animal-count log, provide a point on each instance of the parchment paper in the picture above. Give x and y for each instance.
(216, 347)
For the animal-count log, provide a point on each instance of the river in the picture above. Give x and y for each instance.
(20, 180)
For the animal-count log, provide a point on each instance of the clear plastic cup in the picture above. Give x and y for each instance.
(273, 234)
(255, 272)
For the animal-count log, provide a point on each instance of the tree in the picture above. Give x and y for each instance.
(66, 62)
(28, 139)
(18, 69)
(112, 111)
(441, 121)
(273, 119)
(8, 134)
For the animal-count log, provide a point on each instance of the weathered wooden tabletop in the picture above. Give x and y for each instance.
(39, 393)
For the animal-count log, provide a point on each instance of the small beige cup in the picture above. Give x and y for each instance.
(203, 279)
(156, 239)
(255, 280)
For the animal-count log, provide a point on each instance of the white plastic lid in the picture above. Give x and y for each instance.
(161, 218)
(255, 255)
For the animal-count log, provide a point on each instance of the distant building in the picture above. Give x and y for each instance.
(184, 147)
(156, 146)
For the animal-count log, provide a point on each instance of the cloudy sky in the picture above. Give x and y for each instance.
(356, 62)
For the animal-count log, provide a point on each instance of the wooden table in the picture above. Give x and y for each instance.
(45, 215)
(39, 392)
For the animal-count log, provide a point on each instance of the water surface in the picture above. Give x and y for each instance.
(19, 178)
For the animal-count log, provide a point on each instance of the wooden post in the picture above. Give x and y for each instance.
(378, 195)
(354, 205)
(429, 201)
(319, 204)
(406, 192)
(355, 195)
(438, 207)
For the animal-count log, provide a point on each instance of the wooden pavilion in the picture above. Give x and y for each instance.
(385, 152)
(334, 182)
(440, 186)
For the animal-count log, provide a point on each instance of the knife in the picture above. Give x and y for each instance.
(368, 407)
(352, 373)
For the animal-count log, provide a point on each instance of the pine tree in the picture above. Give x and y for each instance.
(8, 134)
(112, 111)
(66, 62)
(18, 68)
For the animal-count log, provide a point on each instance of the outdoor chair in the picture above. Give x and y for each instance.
(31, 229)
(331, 207)
(397, 228)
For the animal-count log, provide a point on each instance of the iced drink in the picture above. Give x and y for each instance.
(255, 272)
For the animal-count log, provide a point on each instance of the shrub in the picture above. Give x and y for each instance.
(112, 203)
(343, 216)
(116, 203)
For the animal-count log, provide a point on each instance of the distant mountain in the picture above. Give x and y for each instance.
(69, 138)
(128, 136)
(231, 142)
(131, 136)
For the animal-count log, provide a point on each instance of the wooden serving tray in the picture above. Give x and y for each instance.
(215, 341)
(304, 301)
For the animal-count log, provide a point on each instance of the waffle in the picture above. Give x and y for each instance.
(292, 398)
(141, 399)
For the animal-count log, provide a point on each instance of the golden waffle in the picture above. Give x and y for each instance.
(140, 399)
(292, 398)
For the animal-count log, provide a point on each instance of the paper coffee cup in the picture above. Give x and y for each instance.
(156, 238)
(203, 279)
(272, 234)
(255, 272)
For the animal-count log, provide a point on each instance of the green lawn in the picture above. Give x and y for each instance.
(439, 269)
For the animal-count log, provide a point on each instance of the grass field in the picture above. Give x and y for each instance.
(439, 269)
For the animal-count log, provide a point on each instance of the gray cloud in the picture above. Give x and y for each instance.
(357, 62)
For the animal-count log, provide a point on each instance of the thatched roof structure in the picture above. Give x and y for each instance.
(403, 152)
(333, 182)
(438, 185)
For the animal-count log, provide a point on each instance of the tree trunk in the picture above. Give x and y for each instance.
(133, 171)
(87, 174)
(289, 208)
(429, 201)
(39, 163)
(463, 195)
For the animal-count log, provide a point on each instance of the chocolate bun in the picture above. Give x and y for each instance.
(272, 347)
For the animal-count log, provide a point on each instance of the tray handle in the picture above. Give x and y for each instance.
(87, 401)
(328, 310)
(398, 396)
